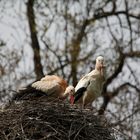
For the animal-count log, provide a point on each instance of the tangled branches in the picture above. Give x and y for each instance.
(46, 119)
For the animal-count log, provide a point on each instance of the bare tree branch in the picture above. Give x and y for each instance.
(35, 44)
(129, 24)
(124, 119)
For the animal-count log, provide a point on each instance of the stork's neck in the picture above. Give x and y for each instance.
(101, 70)
(97, 67)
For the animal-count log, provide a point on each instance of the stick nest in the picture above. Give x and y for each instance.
(51, 119)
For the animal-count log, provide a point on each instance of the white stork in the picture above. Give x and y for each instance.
(90, 86)
(51, 85)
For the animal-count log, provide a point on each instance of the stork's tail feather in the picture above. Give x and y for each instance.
(79, 93)
(28, 93)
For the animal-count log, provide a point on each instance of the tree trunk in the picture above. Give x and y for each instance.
(34, 40)
(75, 51)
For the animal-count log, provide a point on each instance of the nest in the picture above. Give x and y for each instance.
(51, 119)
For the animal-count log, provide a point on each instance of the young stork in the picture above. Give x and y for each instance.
(90, 86)
(50, 85)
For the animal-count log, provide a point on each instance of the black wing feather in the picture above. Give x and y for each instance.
(79, 93)
(28, 93)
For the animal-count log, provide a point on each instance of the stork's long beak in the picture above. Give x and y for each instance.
(102, 68)
(103, 65)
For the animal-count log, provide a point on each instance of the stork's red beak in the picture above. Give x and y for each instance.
(71, 99)
(102, 65)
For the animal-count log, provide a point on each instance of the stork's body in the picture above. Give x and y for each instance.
(50, 85)
(90, 86)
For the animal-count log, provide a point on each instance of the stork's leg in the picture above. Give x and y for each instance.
(85, 100)
(83, 106)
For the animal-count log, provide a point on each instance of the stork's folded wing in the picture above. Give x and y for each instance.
(47, 87)
(84, 82)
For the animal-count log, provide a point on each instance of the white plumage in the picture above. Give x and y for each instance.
(90, 86)
(50, 85)
(69, 91)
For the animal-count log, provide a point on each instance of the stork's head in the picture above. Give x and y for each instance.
(70, 90)
(100, 62)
